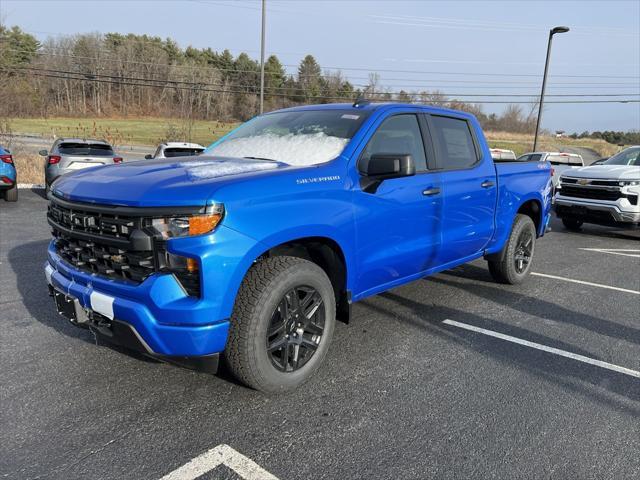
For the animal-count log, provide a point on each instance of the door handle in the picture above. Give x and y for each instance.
(431, 191)
(487, 184)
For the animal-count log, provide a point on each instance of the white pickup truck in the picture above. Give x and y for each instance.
(604, 194)
(560, 162)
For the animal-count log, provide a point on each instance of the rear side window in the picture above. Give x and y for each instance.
(182, 152)
(401, 135)
(92, 149)
(455, 143)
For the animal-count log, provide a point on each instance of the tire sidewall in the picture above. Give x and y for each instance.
(298, 275)
(521, 224)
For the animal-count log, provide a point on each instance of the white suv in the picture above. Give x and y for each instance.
(176, 149)
(604, 194)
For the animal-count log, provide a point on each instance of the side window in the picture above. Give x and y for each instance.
(455, 143)
(399, 134)
(535, 157)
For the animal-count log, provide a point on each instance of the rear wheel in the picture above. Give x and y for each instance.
(11, 195)
(282, 324)
(572, 224)
(515, 262)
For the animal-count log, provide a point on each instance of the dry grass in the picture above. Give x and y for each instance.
(30, 167)
(123, 131)
(521, 143)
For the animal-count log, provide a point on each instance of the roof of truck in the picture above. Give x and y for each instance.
(370, 106)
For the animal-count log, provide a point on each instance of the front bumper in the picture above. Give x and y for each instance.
(166, 321)
(600, 213)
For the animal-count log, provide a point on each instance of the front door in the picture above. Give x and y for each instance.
(398, 226)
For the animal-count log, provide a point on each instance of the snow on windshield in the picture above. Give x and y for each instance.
(222, 167)
(293, 149)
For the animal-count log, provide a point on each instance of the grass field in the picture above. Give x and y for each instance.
(521, 143)
(151, 131)
(123, 131)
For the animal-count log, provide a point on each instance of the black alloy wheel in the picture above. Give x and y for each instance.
(296, 329)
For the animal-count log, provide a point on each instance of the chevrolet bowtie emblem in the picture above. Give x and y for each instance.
(583, 181)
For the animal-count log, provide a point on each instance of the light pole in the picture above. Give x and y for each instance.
(264, 12)
(552, 32)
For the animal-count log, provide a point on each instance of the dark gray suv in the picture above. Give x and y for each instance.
(71, 154)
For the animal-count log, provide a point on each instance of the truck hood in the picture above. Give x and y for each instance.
(605, 172)
(184, 181)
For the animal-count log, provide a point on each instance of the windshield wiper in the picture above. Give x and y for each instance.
(262, 158)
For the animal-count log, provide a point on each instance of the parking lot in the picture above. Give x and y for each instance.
(449, 377)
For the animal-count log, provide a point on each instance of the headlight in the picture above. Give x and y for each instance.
(189, 225)
(631, 183)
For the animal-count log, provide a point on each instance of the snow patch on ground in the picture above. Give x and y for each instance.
(298, 150)
(222, 167)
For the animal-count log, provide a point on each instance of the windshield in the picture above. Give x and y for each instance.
(92, 149)
(298, 138)
(630, 156)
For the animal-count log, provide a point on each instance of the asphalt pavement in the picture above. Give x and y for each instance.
(404, 392)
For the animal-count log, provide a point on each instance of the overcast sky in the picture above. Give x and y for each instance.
(454, 46)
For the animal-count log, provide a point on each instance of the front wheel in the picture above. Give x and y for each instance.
(282, 324)
(515, 262)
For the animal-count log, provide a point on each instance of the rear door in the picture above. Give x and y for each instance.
(398, 226)
(468, 188)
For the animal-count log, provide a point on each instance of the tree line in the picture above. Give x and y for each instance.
(139, 75)
(617, 138)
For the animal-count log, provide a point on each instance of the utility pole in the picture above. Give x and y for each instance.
(264, 14)
(552, 32)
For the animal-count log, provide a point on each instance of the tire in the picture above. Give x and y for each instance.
(572, 224)
(11, 195)
(512, 267)
(259, 309)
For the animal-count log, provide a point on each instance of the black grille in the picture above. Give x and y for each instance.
(112, 262)
(586, 192)
(600, 183)
(114, 245)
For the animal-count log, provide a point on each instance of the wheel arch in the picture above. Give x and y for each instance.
(533, 209)
(329, 255)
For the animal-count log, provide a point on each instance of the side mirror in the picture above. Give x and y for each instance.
(148, 156)
(44, 153)
(381, 167)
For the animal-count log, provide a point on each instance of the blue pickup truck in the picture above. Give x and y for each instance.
(252, 250)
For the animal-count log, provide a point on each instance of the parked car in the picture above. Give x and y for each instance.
(605, 194)
(501, 154)
(176, 149)
(253, 249)
(71, 154)
(559, 161)
(8, 176)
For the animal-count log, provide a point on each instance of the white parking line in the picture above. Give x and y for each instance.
(582, 282)
(220, 455)
(538, 346)
(625, 252)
